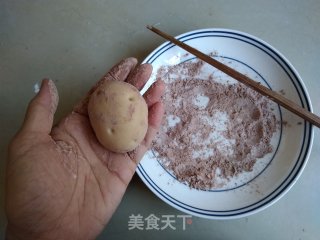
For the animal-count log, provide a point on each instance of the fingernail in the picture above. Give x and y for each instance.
(54, 95)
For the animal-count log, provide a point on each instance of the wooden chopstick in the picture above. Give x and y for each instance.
(274, 96)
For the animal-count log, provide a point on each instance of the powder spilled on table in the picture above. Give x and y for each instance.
(211, 129)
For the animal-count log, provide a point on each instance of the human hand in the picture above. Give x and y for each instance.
(60, 182)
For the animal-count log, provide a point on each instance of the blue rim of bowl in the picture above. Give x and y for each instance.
(306, 144)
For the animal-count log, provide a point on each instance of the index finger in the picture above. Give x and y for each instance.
(118, 72)
(140, 75)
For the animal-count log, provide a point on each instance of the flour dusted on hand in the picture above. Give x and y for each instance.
(211, 129)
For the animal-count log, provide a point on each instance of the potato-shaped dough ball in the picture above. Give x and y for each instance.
(118, 116)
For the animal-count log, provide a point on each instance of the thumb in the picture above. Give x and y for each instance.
(41, 109)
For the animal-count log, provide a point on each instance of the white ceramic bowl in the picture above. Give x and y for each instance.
(278, 170)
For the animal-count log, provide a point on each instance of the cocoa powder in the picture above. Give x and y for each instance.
(211, 129)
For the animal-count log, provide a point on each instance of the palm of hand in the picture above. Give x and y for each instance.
(65, 185)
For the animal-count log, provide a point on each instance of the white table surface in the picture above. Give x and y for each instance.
(75, 42)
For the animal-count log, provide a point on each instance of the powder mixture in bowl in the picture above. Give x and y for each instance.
(211, 129)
